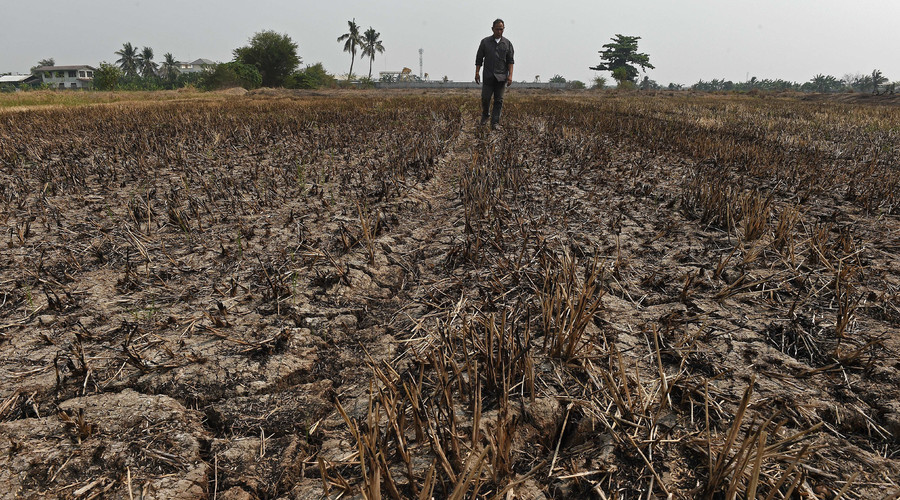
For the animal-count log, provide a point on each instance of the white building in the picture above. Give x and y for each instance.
(194, 66)
(67, 77)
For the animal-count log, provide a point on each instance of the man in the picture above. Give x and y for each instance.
(495, 53)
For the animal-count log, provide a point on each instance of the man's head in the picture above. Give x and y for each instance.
(497, 28)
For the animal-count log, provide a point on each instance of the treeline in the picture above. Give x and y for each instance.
(270, 59)
(214, 76)
(874, 83)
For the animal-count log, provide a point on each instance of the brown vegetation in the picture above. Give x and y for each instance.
(300, 296)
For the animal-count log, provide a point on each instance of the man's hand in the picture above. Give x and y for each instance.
(477, 77)
(508, 82)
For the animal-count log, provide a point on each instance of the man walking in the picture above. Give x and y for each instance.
(495, 53)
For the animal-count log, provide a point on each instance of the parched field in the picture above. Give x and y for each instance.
(364, 295)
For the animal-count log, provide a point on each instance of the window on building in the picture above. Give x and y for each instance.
(72, 74)
(74, 85)
(90, 74)
(60, 74)
(62, 85)
(48, 74)
(82, 74)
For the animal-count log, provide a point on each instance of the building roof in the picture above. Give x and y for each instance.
(202, 61)
(64, 68)
(14, 78)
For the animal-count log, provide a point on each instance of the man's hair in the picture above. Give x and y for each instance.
(498, 20)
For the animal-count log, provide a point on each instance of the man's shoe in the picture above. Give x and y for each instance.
(484, 120)
(496, 126)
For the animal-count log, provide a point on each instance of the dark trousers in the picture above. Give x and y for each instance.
(489, 88)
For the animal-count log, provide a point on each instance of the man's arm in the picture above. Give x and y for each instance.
(510, 60)
(479, 59)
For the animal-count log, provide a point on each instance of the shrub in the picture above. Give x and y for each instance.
(107, 77)
(231, 74)
(312, 77)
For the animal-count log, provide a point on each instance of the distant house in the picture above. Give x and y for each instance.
(194, 66)
(67, 77)
(19, 81)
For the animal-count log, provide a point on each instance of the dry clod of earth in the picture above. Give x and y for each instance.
(279, 294)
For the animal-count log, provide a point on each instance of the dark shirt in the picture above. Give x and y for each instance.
(496, 57)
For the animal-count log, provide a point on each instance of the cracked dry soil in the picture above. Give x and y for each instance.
(189, 288)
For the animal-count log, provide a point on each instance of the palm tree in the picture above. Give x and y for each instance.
(351, 41)
(877, 79)
(146, 64)
(128, 59)
(169, 68)
(370, 45)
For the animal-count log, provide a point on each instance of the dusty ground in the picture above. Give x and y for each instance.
(189, 289)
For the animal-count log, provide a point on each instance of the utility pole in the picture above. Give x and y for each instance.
(420, 62)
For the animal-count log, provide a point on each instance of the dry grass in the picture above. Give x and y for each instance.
(619, 296)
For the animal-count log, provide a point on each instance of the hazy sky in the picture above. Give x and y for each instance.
(686, 39)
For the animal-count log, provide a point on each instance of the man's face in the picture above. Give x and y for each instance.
(498, 30)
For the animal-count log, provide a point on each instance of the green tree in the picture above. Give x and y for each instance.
(351, 41)
(371, 45)
(621, 57)
(274, 55)
(599, 83)
(44, 62)
(231, 74)
(145, 63)
(107, 76)
(877, 80)
(858, 82)
(557, 79)
(312, 77)
(169, 68)
(648, 84)
(824, 83)
(128, 59)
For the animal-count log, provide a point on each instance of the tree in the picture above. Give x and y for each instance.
(145, 63)
(599, 83)
(231, 74)
(273, 54)
(648, 84)
(620, 57)
(128, 59)
(557, 79)
(877, 80)
(824, 83)
(351, 40)
(44, 62)
(169, 69)
(107, 76)
(370, 45)
(312, 77)
(858, 82)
